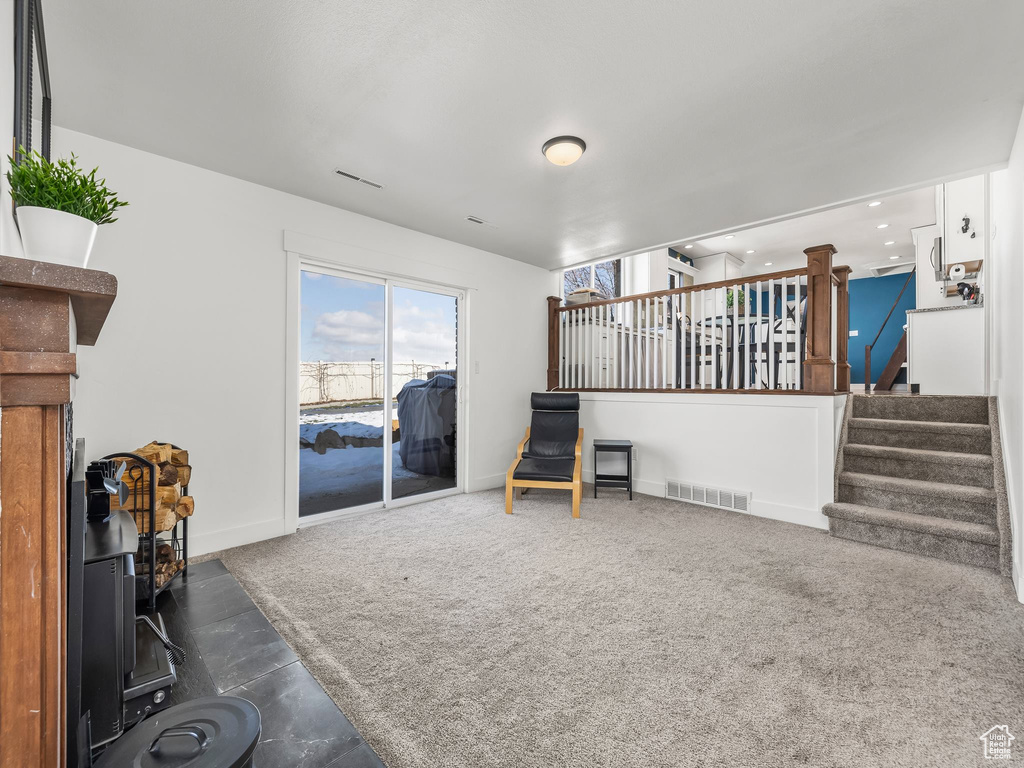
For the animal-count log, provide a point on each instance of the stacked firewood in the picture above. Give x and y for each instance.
(173, 473)
(166, 563)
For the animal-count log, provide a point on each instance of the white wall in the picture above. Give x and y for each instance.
(779, 447)
(1006, 292)
(201, 271)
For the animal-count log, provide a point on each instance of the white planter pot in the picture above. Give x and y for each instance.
(55, 236)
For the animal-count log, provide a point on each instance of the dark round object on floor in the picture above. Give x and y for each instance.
(215, 732)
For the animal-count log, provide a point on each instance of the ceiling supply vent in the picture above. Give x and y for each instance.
(475, 219)
(360, 179)
(722, 498)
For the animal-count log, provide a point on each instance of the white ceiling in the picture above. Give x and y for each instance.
(699, 115)
(852, 229)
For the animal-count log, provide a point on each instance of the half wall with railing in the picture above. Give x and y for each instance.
(778, 332)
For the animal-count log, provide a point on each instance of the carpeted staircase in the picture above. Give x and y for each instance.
(923, 474)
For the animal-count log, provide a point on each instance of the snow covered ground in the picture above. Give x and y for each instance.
(355, 423)
(344, 472)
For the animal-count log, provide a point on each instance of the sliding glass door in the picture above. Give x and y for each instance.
(378, 391)
(425, 375)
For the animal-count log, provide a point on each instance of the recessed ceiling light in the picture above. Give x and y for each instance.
(729, 237)
(688, 246)
(893, 257)
(881, 226)
(751, 251)
(767, 263)
(564, 150)
(890, 242)
(874, 204)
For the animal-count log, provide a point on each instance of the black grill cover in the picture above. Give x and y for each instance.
(426, 418)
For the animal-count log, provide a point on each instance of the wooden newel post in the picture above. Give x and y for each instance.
(553, 303)
(842, 328)
(819, 367)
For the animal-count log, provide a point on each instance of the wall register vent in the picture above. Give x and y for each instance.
(708, 496)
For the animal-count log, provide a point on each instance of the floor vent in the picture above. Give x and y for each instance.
(360, 179)
(708, 496)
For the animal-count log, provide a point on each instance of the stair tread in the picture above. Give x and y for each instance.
(919, 454)
(938, 526)
(864, 422)
(968, 493)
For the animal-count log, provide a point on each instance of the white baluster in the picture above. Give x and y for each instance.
(655, 357)
(784, 363)
(771, 335)
(735, 336)
(561, 350)
(694, 360)
(634, 358)
(747, 329)
(672, 340)
(798, 368)
(759, 379)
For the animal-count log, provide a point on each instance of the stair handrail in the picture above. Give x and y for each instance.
(867, 349)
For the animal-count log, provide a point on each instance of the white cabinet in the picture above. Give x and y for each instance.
(946, 350)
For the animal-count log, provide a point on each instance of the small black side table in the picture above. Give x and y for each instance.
(614, 481)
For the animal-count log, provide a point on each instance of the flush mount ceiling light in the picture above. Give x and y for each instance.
(688, 246)
(751, 251)
(768, 263)
(881, 226)
(729, 237)
(874, 204)
(893, 257)
(564, 150)
(890, 242)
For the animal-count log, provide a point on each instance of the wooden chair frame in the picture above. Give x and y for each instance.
(520, 486)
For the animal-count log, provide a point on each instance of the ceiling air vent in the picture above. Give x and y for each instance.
(360, 179)
(475, 219)
(738, 501)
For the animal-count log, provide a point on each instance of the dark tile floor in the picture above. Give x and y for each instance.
(232, 649)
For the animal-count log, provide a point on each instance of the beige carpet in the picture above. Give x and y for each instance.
(646, 634)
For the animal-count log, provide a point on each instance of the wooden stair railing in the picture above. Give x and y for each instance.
(902, 345)
(892, 368)
(648, 341)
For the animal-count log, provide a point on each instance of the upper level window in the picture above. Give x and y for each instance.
(605, 277)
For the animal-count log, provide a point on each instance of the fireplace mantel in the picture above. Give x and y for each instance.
(46, 311)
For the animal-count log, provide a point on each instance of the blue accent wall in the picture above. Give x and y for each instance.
(870, 299)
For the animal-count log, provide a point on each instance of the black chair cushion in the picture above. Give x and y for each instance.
(552, 470)
(553, 434)
(555, 401)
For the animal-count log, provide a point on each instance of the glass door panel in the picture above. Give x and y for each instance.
(341, 392)
(424, 375)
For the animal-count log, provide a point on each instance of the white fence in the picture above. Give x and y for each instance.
(323, 382)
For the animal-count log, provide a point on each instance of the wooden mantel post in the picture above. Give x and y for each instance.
(46, 310)
(842, 328)
(819, 367)
(553, 304)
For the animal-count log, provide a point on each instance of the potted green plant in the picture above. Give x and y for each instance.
(739, 297)
(59, 207)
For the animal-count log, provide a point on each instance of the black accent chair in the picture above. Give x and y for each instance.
(790, 348)
(549, 455)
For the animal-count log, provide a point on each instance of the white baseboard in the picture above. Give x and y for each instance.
(485, 483)
(812, 518)
(215, 541)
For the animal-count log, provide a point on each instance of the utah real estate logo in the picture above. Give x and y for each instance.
(997, 741)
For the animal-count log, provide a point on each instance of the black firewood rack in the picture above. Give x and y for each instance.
(145, 584)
